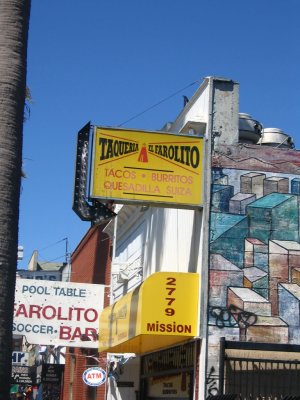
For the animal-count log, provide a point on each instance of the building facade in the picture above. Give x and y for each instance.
(201, 302)
(242, 246)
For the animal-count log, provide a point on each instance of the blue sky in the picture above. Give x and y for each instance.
(107, 61)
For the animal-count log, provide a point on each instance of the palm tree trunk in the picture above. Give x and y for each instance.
(14, 22)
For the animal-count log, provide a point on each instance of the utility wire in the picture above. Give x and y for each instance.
(53, 244)
(157, 104)
(53, 259)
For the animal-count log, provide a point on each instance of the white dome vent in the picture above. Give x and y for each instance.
(275, 137)
(249, 129)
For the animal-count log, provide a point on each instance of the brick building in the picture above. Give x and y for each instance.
(90, 264)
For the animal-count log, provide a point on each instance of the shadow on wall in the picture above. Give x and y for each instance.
(194, 250)
(152, 254)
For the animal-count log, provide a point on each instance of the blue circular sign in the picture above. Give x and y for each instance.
(94, 376)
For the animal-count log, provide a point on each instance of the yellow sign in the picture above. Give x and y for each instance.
(139, 166)
(162, 311)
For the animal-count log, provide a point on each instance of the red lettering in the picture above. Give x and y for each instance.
(21, 310)
(94, 316)
(52, 312)
(33, 309)
(77, 333)
(92, 333)
(65, 332)
(94, 375)
(78, 315)
(59, 316)
(69, 333)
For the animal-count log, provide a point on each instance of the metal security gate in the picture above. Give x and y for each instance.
(262, 378)
(274, 375)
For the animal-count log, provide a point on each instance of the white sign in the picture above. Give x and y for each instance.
(170, 386)
(20, 358)
(94, 376)
(58, 313)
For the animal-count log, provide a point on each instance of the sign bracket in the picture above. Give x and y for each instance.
(96, 212)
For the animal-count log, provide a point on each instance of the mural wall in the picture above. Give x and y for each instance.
(254, 247)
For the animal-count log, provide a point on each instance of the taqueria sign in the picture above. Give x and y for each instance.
(153, 167)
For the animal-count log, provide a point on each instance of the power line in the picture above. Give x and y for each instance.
(53, 244)
(157, 104)
(66, 255)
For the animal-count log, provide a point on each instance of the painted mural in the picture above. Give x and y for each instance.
(254, 247)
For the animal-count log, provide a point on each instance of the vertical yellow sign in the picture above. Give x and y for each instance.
(153, 167)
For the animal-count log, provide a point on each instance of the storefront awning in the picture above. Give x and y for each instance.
(161, 312)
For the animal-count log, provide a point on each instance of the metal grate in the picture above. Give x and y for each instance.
(260, 397)
(262, 379)
(176, 358)
(223, 397)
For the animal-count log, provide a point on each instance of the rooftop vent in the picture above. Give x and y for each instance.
(194, 128)
(249, 129)
(167, 127)
(275, 137)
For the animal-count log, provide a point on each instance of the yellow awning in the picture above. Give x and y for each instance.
(161, 312)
